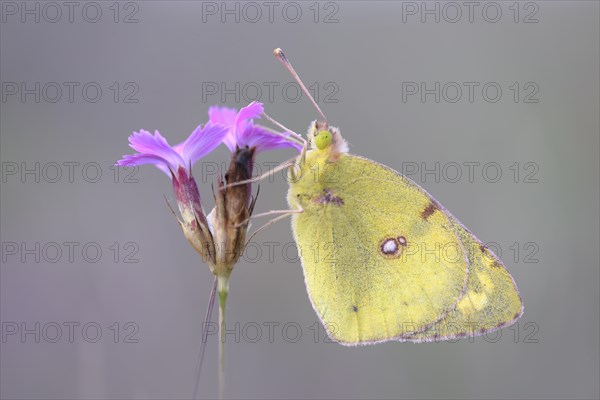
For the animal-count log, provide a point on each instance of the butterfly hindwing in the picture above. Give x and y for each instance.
(491, 301)
(381, 258)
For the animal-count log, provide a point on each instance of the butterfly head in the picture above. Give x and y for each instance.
(323, 137)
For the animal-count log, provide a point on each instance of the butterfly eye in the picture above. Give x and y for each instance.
(323, 139)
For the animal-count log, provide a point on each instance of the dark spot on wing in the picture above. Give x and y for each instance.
(482, 247)
(354, 308)
(495, 264)
(430, 209)
(327, 197)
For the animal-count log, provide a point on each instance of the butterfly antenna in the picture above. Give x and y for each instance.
(211, 302)
(286, 63)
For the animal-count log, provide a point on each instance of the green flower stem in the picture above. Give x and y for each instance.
(223, 290)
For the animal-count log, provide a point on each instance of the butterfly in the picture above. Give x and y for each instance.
(382, 259)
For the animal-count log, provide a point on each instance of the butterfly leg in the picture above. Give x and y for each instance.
(283, 165)
(271, 222)
(266, 214)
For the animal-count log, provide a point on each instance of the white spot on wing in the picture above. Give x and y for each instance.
(390, 246)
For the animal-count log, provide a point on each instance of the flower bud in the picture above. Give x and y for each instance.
(233, 208)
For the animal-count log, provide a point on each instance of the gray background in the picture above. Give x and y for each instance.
(367, 53)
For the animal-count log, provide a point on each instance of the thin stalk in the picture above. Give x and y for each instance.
(223, 290)
(211, 302)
